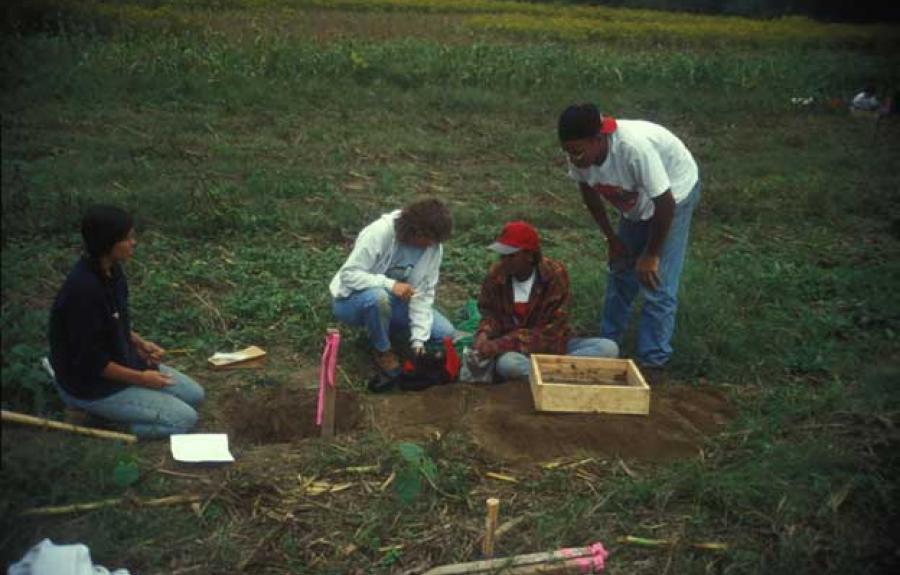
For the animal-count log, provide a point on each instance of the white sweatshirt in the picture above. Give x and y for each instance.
(365, 267)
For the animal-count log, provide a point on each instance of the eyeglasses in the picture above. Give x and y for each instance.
(575, 156)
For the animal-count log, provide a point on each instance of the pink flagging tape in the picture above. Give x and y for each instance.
(595, 563)
(326, 372)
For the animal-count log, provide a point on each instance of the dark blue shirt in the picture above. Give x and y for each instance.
(89, 327)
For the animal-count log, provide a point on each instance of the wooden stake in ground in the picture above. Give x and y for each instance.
(327, 383)
(490, 527)
(91, 505)
(24, 419)
(569, 561)
(644, 542)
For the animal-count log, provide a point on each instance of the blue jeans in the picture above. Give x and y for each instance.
(383, 314)
(149, 413)
(657, 322)
(513, 365)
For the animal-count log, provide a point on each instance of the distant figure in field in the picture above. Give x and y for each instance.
(388, 282)
(651, 178)
(524, 307)
(100, 364)
(866, 100)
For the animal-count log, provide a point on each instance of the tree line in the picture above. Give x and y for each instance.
(860, 11)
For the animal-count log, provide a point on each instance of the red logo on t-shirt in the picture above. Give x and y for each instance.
(621, 198)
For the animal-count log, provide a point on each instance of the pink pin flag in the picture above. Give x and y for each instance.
(327, 380)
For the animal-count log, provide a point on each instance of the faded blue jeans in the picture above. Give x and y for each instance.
(514, 365)
(657, 322)
(383, 314)
(149, 413)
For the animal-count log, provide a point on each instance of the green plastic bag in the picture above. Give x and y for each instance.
(468, 318)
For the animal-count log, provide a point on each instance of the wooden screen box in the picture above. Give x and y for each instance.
(588, 384)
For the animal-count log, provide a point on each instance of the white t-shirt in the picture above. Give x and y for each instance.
(644, 161)
(403, 261)
(522, 290)
(864, 101)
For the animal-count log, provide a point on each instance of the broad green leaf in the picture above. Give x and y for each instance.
(126, 473)
(410, 452)
(407, 485)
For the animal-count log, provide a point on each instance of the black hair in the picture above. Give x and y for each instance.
(429, 219)
(579, 121)
(102, 227)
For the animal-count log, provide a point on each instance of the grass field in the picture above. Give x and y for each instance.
(252, 140)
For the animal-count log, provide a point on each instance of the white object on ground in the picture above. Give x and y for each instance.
(47, 558)
(222, 358)
(200, 447)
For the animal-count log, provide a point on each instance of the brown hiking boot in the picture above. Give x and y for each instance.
(387, 363)
(655, 375)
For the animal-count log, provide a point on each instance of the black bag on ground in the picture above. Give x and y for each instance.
(421, 372)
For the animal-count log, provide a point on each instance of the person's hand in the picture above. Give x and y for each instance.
(484, 346)
(149, 352)
(418, 350)
(403, 291)
(616, 250)
(647, 269)
(154, 379)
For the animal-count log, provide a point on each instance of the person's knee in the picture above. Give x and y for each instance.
(182, 418)
(353, 309)
(441, 328)
(185, 388)
(593, 347)
(175, 413)
(607, 348)
(193, 393)
(377, 298)
(513, 365)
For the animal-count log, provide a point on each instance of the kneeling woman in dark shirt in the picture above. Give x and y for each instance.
(101, 365)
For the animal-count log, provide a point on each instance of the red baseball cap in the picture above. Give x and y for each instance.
(608, 125)
(516, 236)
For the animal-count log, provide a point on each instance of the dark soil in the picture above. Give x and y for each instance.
(501, 419)
(281, 415)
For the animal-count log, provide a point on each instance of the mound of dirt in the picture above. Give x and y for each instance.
(501, 419)
(278, 415)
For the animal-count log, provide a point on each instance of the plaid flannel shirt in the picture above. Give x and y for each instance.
(546, 325)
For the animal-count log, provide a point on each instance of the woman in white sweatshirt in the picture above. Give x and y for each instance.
(388, 282)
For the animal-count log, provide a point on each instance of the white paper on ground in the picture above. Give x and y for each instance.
(200, 447)
(223, 356)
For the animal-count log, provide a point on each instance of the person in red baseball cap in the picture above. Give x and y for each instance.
(524, 307)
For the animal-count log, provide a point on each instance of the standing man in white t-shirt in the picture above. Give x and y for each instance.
(650, 177)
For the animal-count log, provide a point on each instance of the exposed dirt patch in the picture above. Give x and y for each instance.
(281, 414)
(501, 419)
